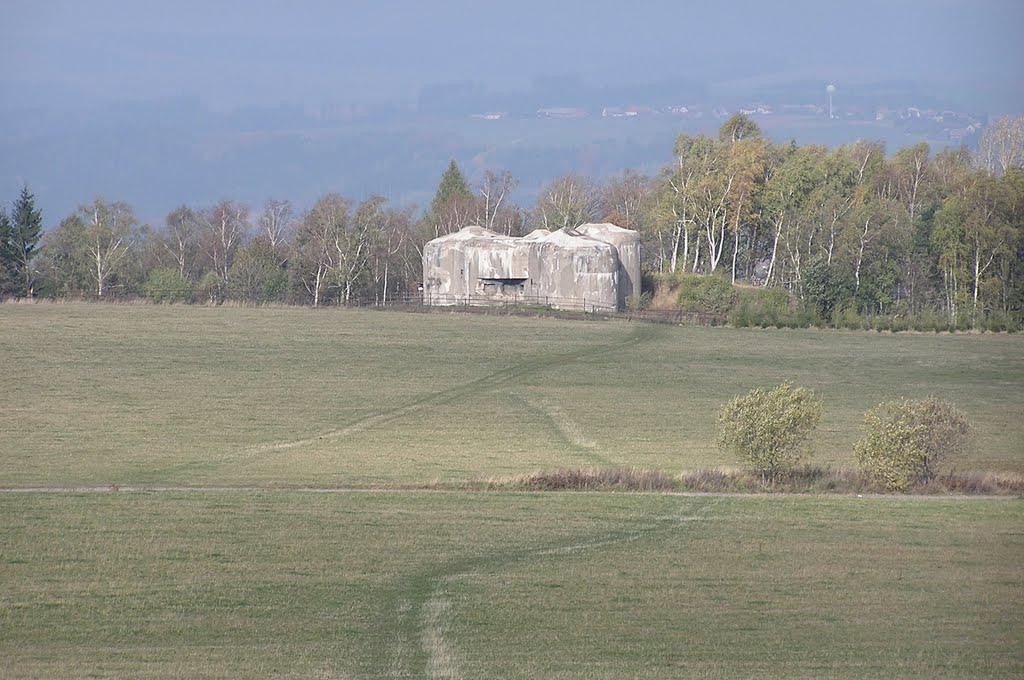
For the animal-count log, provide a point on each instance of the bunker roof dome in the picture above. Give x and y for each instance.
(476, 230)
(536, 235)
(575, 241)
(473, 234)
(606, 231)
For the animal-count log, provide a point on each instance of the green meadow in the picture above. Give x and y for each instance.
(562, 585)
(104, 394)
(298, 545)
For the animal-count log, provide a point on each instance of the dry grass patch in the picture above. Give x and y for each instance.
(587, 479)
(815, 479)
(807, 479)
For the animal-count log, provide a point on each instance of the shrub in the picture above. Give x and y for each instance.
(764, 307)
(767, 428)
(847, 318)
(256, 274)
(881, 323)
(211, 287)
(662, 280)
(708, 294)
(905, 439)
(638, 303)
(998, 321)
(167, 285)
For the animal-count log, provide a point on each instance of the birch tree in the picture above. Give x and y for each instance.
(715, 183)
(912, 166)
(833, 198)
(874, 211)
(668, 228)
(949, 241)
(277, 222)
(492, 207)
(179, 240)
(746, 165)
(65, 264)
(108, 240)
(387, 242)
(566, 203)
(624, 200)
(951, 168)
(352, 244)
(1001, 146)
(316, 240)
(988, 233)
(677, 202)
(224, 228)
(786, 193)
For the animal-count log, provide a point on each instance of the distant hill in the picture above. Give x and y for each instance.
(158, 154)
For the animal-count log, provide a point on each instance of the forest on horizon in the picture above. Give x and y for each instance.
(850, 230)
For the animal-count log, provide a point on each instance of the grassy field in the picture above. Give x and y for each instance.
(274, 581)
(446, 585)
(98, 394)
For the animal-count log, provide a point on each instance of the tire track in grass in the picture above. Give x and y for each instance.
(475, 387)
(422, 604)
(495, 380)
(441, 662)
(567, 429)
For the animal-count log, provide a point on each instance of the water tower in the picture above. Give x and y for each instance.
(830, 89)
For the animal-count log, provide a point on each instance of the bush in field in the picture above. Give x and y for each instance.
(768, 428)
(905, 439)
(706, 294)
(167, 285)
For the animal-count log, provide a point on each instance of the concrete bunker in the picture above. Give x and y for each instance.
(591, 267)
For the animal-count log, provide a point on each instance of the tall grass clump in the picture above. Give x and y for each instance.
(590, 479)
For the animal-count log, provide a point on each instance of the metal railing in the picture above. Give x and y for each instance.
(525, 304)
(581, 304)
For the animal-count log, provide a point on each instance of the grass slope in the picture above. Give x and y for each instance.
(100, 394)
(446, 585)
(218, 583)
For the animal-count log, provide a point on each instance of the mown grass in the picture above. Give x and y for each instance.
(432, 584)
(406, 583)
(104, 394)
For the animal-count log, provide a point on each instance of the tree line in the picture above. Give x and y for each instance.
(844, 230)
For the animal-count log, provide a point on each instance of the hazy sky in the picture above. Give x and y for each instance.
(243, 52)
